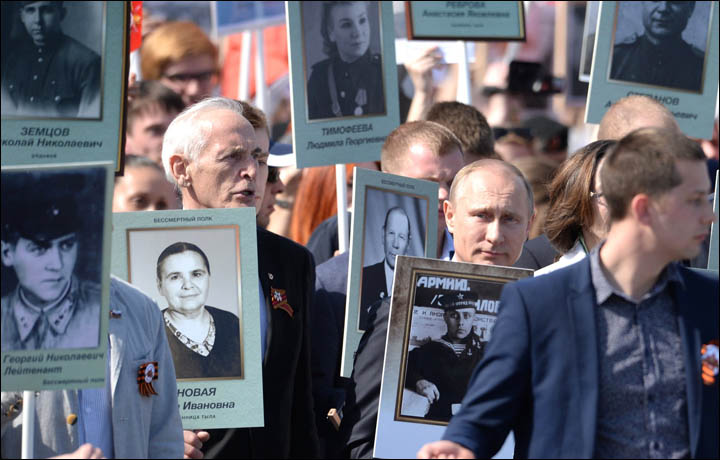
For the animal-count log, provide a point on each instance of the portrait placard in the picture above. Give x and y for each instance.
(479, 21)
(588, 41)
(345, 92)
(392, 215)
(237, 16)
(55, 275)
(667, 51)
(441, 318)
(201, 269)
(64, 82)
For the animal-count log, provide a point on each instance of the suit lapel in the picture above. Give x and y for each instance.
(690, 336)
(581, 308)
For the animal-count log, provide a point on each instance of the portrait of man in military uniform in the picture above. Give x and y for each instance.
(346, 78)
(45, 72)
(51, 259)
(667, 49)
(440, 369)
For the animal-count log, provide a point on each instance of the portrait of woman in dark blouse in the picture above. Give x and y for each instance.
(204, 340)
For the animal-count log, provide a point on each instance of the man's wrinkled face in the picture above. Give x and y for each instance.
(42, 20)
(666, 19)
(490, 217)
(396, 236)
(228, 173)
(44, 268)
(459, 323)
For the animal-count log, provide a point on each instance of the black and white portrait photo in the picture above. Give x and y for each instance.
(343, 59)
(661, 44)
(194, 278)
(52, 246)
(394, 226)
(452, 317)
(51, 59)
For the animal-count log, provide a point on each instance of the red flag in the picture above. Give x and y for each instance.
(135, 25)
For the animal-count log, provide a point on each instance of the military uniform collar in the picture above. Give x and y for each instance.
(360, 62)
(58, 314)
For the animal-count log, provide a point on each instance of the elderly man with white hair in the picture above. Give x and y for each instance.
(211, 153)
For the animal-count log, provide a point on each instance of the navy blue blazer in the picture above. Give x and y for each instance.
(539, 376)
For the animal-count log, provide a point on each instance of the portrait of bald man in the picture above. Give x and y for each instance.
(400, 232)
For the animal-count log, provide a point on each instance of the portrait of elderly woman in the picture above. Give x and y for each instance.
(204, 340)
(346, 79)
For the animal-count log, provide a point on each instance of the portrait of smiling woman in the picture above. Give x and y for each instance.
(204, 340)
(349, 81)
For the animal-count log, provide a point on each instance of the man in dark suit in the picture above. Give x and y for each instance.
(421, 150)
(490, 188)
(377, 278)
(610, 357)
(229, 169)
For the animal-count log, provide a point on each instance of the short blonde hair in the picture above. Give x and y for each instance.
(436, 137)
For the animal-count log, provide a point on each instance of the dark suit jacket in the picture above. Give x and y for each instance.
(374, 288)
(540, 372)
(327, 335)
(289, 429)
(537, 253)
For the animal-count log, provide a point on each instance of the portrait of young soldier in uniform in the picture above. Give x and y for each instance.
(344, 76)
(51, 296)
(440, 368)
(656, 43)
(46, 72)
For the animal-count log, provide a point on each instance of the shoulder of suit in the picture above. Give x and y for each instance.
(697, 52)
(628, 41)
(321, 66)
(78, 50)
(129, 299)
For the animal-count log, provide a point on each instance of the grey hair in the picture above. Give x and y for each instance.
(187, 136)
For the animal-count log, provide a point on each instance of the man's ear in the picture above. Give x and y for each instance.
(530, 224)
(640, 208)
(449, 216)
(180, 170)
(6, 251)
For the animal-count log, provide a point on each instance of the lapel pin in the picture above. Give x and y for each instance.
(279, 300)
(146, 374)
(710, 357)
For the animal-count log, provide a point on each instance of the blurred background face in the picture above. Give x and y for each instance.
(459, 323)
(144, 189)
(396, 237)
(422, 163)
(273, 188)
(42, 20)
(44, 269)
(145, 136)
(184, 282)
(666, 19)
(193, 78)
(350, 30)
